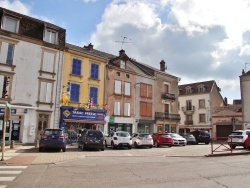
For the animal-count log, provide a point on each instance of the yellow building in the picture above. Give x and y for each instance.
(83, 79)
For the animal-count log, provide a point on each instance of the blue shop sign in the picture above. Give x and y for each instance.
(81, 114)
(13, 111)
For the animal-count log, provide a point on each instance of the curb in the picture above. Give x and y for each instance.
(227, 154)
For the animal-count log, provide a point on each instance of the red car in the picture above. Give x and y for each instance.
(162, 138)
(247, 142)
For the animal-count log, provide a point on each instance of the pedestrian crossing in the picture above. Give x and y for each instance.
(9, 173)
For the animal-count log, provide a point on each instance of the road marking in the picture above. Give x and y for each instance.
(10, 172)
(7, 178)
(128, 154)
(13, 167)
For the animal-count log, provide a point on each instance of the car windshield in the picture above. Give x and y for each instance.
(145, 135)
(236, 133)
(122, 134)
(163, 135)
(52, 132)
(95, 134)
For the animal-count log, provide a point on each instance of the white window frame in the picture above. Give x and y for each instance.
(117, 108)
(118, 87)
(122, 64)
(48, 39)
(127, 88)
(5, 23)
(127, 109)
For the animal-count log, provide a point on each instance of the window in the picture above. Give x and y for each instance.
(7, 53)
(51, 36)
(145, 109)
(126, 109)
(118, 73)
(74, 92)
(201, 88)
(145, 90)
(202, 103)
(189, 90)
(10, 24)
(127, 76)
(45, 92)
(117, 110)
(189, 104)
(76, 66)
(202, 118)
(127, 89)
(166, 88)
(94, 94)
(166, 108)
(118, 87)
(48, 61)
(94, 71)
(5, 86)
(122, 64)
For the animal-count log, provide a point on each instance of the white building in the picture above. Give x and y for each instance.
(31, 59)
(197, 101)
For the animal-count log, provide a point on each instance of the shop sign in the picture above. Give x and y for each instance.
(13, 111)
(111, 119)
(80, 114)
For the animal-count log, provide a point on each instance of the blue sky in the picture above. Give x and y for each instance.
(200, 40)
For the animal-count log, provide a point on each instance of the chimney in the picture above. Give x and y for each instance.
(225, 101)
(162, 66)
(121, 52)
(90, 46)
(243, 72)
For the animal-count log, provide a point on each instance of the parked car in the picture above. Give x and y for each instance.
(91, 139)
(201, 136)
(161, 138)
(247, 142)
(178, 140)
(119, 139)
(190, 138)
(52, 139)
(238, 138)
(142, 139)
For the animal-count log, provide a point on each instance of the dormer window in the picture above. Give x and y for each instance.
(201, 88)
(189, 90)
(10, 24)
(122, 64)
(50, 36)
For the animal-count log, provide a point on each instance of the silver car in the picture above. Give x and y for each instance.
(178, 140)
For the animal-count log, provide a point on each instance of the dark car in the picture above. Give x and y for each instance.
(161, 138)
(92, 139)
(52, 139)
(201, 136)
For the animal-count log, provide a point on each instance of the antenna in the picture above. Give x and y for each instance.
(123, 40)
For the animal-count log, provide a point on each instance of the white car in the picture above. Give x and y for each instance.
(118, 139)
(238, 138)
(178, 140)
(142, 139)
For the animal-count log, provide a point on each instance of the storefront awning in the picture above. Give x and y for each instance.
(84, 121)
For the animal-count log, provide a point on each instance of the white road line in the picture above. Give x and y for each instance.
(13, 167)
(10, 172)
(7, 178)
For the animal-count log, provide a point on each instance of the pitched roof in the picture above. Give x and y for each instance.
(89, 51)
(194, 86)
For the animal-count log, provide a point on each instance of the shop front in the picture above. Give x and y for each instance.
(145, 126)
(73, 120)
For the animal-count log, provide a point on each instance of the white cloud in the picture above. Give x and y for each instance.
(16, 6)
(87, 1)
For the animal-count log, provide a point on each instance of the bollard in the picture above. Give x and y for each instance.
(12, 144)
(37, 143)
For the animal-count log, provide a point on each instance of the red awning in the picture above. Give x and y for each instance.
(83, 121)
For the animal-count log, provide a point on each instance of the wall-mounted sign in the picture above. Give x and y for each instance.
(13, 111)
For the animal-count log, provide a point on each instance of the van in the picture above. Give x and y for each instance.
(201, 136)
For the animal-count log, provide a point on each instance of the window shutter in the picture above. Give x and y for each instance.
(126, 109)
(143, 90)
(166, 107)
(166, 88)
(48, 61)
(149, 91)
(43, 92)
(4, 51)
(118, 87)
(117, 108)
(74, 92)
(1, 85)
(49, 92)
(10, 24)
(94, 94)
(149, 109)
(127, 88)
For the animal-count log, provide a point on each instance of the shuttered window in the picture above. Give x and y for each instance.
(118, 87)
(117, 108)
(74, 92)
(76, 66)
(45, 92)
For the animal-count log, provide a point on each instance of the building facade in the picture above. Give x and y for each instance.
(31, 59)
(197, 102)
(245, 90)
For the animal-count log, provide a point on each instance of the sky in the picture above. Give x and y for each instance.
(200, 40)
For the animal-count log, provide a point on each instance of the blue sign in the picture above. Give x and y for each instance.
(13, 111)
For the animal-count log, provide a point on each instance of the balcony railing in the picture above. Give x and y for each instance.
(189, 122)
(167, 116)
(168, 96)
(188, 108)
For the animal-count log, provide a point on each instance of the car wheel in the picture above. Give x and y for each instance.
(129, 147)
(83, 148)
(64, 149)
(156, 144)
(40, 149)
(79, 146)
(170, 146)
(136, 145)
(150, 146)
(102, 149)
(245, 146)
(207, 143)
(112, 145)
